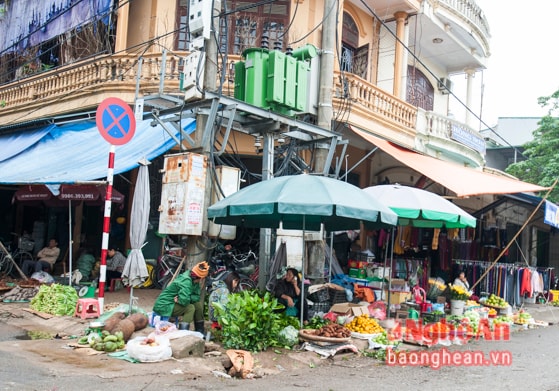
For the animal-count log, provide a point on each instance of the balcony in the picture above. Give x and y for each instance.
(82, 86)
(449, 139)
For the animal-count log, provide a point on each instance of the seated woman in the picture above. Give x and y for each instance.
(219, 294)
(462, 281)
(288, 292)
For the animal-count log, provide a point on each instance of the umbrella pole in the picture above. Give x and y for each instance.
(130, 304)
(383, 284)
(303, 275)
(330, 258)
(391, 266)
(70, 243)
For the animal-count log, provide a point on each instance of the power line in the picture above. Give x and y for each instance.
(436, 77)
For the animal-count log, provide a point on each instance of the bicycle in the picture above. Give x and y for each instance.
(19, 255)
(165, 269)
(245, 264)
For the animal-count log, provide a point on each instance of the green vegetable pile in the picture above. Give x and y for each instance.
(316, 322)
(55, 299)
(252, 321)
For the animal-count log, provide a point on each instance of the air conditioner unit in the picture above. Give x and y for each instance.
(445, 85)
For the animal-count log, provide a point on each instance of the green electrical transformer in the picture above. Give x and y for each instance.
(274, 80)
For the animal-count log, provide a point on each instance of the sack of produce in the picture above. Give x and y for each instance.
(152, 348)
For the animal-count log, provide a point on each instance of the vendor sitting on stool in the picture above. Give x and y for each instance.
(115, 264)
(288, 292)
(181, 298)
(46, 258)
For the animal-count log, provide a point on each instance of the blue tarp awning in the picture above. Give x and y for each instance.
(77, 152)
(13, 144)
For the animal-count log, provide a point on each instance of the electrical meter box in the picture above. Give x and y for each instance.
(229, 179)
(182, 194)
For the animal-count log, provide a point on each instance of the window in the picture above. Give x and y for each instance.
(245, 28)
(354, 59)
(419, 91)
(182, 36)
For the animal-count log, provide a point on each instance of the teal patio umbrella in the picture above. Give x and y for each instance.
(421, 208)
(302, 202)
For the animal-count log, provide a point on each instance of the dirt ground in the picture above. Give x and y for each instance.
(48, 364)
(65, 359)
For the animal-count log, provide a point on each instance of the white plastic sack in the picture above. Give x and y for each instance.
(43, 277)
(143, 350)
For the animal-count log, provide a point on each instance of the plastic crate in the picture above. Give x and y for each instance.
(321, 295)
(337, 296)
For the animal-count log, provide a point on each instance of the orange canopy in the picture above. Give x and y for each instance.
(464, 181)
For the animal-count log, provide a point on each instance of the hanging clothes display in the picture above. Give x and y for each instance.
(512, 282)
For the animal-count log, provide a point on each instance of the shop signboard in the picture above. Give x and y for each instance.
(182, 194)
(551, 214)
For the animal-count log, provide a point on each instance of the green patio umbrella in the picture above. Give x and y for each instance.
(302, 202)
(421, 208)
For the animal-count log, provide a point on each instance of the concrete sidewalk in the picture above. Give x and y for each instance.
(16, 315)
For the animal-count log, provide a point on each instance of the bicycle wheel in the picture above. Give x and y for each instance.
(6, 265)
(162, 274)
(246, 284)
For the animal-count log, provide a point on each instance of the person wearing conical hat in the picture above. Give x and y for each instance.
(182, 297)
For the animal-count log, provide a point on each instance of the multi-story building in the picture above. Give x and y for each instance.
(379, 87)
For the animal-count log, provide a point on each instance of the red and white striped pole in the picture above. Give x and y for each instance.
(106, 228)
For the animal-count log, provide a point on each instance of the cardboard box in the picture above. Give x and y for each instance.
(350, 309)
(441, 300)
(357, 273)
(399, 297)
(399, 284)
(354, 264)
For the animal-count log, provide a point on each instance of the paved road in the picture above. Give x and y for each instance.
(49, 365)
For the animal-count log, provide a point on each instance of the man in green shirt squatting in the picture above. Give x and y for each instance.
(181, 298)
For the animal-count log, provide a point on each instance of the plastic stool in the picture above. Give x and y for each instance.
(87, 308)
(114, 281)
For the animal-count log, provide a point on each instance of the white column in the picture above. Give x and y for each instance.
(470, 73)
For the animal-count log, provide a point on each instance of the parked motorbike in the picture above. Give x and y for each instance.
(225, 261)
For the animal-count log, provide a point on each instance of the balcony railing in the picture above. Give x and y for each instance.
(374, 100)
(469, 10)
(444, 128)
(61, 89)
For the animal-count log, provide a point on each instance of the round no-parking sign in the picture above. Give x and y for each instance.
(115, 121)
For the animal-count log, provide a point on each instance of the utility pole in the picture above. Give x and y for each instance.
(327, 54)
(315, 265)
(203, 142)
